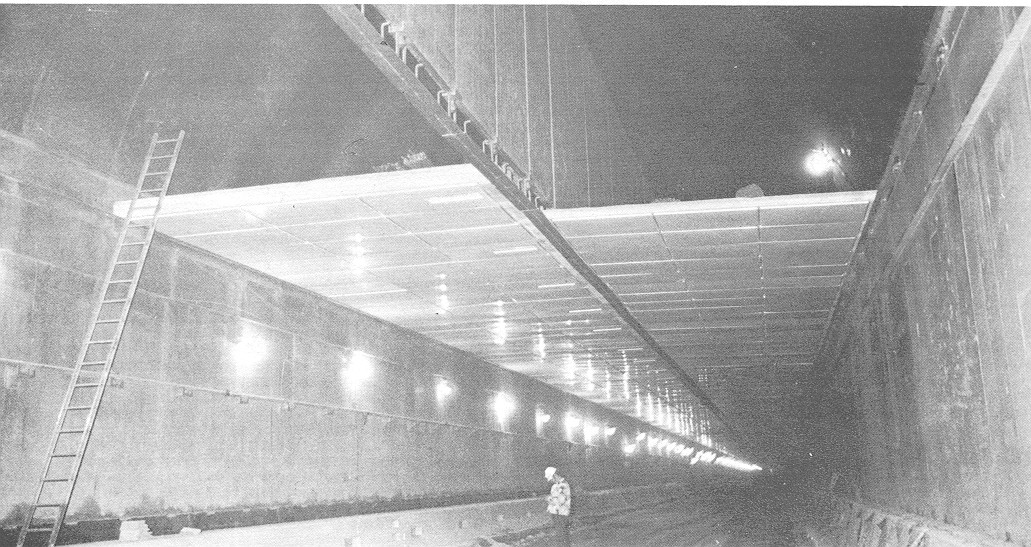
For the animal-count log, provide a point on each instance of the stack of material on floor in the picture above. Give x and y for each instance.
(132, 530)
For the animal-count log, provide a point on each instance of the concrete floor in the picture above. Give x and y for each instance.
(745, 518)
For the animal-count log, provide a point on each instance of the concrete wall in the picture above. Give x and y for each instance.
(526, 74)
(187, 428)
(923, 399)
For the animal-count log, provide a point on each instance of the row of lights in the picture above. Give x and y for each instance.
(359, 369)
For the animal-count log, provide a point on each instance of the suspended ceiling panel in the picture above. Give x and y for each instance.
(725, 283)
(439, 251)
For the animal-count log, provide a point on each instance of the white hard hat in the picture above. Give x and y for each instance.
(549, 472)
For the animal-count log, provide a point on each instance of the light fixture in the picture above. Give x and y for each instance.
(821, 161)
(248, 351)
(555, 285)
(571, 423)
(444, 390)
(516, 250)
(359, 368)
(500, 331)
(590, 430)
(504, 407)
(543, 418)
(610, 431)
(587, 310)
(458, 198)
(629, 449)
(641, 436)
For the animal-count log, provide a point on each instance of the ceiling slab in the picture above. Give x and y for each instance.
(741, 283)
(443, 252)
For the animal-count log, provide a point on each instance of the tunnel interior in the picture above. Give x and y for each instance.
(410, 256)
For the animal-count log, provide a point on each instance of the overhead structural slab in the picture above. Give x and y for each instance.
(740, 283)
(440, 251)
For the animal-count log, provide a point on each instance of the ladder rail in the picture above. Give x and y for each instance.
(82, 441)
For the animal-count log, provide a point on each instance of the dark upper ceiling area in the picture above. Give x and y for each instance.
(726, 96)
(715, 97)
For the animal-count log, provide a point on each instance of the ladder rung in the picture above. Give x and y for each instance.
(71, 431)
(167, 140)
(151, 190)
(93, 363)
(85, 385)
(48, 529)
(115, 300)
(66, 455)
(101, 342)
(99, 321)
(79, 408)
(124, 244)
(127, 262)
(156, 173)
(119, 281)
(56, 480)
(54, 505)
(162, 157)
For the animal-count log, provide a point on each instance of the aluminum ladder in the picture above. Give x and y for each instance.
(93, 365)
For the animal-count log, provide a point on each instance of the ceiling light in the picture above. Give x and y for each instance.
(608, 329)
(357, 238)
(369, 293)
(543, 418)
(588, 310)
(458, 198)
(555, 285)
(516, 250)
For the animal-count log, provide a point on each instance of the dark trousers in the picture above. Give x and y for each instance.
(561, 525)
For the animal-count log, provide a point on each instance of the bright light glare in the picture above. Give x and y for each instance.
(819, 162)
(359, 368)
(504, 406)
(609, 431)
(543, 418)
(444, 390)
(590, 430)
(630, 448)
(500, 331)
(571, 423)
(736, 464)
(248, 352)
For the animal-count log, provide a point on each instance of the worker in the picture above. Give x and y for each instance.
(559, 503)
